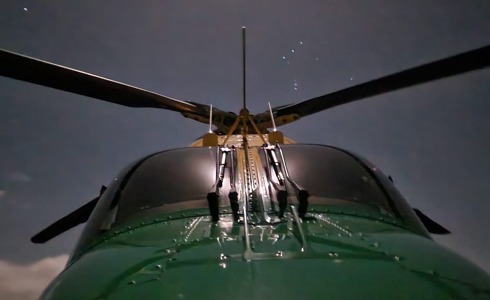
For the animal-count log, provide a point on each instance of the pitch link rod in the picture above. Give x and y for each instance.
(282, 194)
(233, 194)
(213, 195)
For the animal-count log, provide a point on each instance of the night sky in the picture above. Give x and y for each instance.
(57, 149)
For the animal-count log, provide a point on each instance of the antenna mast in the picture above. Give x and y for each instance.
(211, 118)
(272, 118)
(243, 67)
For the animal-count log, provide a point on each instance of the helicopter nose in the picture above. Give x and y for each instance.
(346, 258)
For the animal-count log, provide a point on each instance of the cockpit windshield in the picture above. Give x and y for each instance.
(171, 180)
(177, 180)
(332, 176)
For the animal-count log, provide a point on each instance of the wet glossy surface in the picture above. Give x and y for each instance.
(187, 257)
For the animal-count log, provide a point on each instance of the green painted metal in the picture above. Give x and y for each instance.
(346, 256)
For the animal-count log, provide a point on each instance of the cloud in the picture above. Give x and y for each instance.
(26, 282)
(19, 177)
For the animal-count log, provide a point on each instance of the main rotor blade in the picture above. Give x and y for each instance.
(451, 66)
(44, 73)
(40, 72)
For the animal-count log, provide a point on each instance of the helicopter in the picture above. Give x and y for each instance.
(245, 212)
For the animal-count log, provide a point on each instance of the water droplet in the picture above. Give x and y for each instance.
(132, 282)
(288, 62)
(279, 253)
(375, 244)
(295, 88)
(284, 57)
(292, 50)
(316, 58)
(397, 258)
(159, 267)
(301, 43)
(223, 256)
(25, 8)
(222, 265)
(351, 79)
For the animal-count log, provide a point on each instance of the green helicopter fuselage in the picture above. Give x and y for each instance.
(266, 222)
